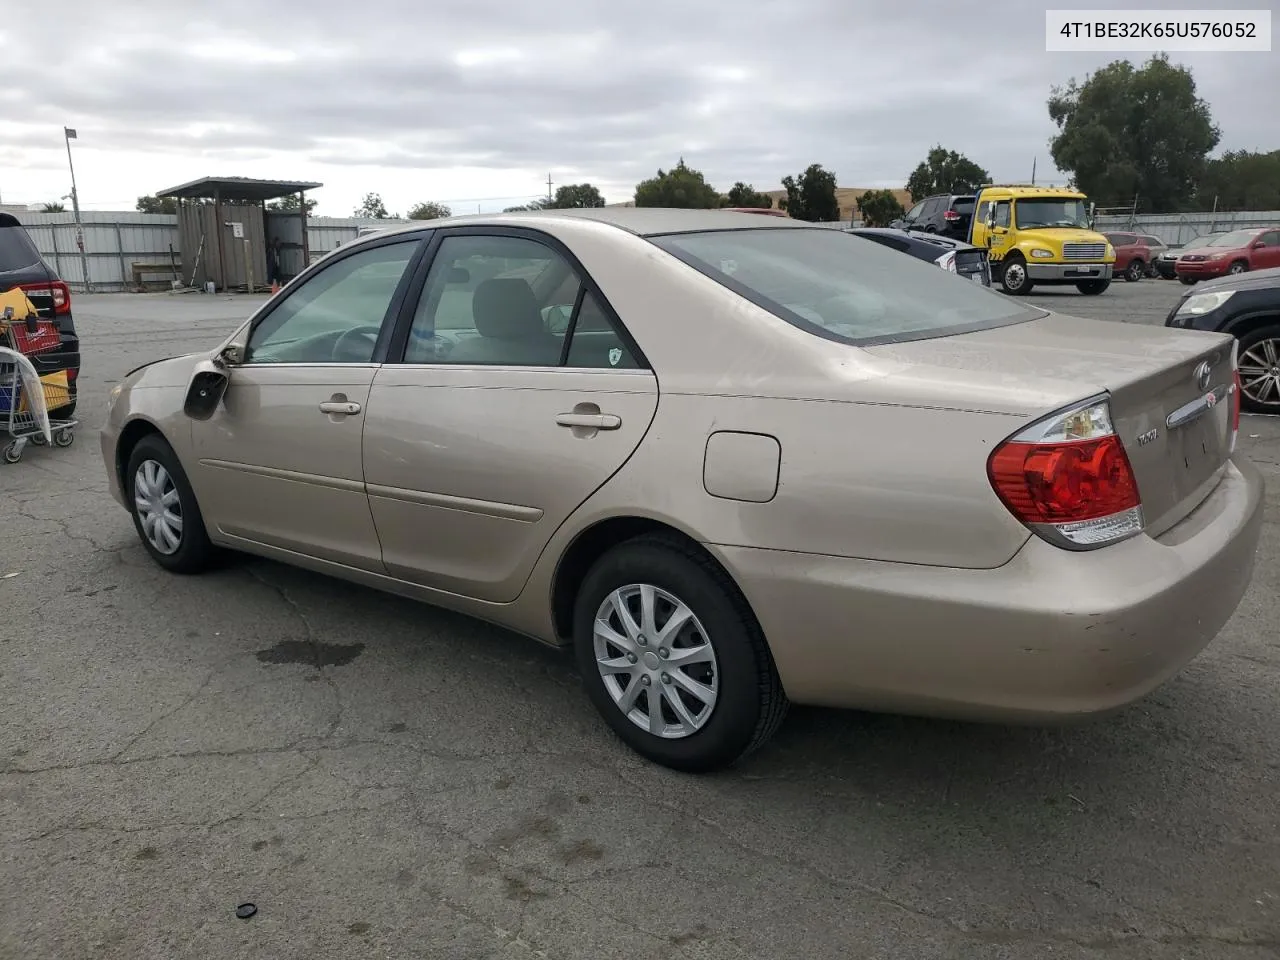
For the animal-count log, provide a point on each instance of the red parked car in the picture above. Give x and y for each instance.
(1135, 254)
(1230, 253)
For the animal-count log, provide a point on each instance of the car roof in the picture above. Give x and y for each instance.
(641, 221)
(1020, 193)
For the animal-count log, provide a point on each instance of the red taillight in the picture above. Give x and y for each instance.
(72, 374)
(951, 216)
(58, 290)
(1069, 475)
(1065, 482)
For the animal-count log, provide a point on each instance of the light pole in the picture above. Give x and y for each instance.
(69, 134)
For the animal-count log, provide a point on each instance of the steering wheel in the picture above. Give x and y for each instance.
(347, 341)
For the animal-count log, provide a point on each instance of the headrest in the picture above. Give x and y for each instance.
(506, 310)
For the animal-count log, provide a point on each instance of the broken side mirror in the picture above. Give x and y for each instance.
(208, 385)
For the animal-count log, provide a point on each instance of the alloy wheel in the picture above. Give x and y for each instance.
(1260, 372)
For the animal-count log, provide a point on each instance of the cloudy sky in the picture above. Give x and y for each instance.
(473, 102)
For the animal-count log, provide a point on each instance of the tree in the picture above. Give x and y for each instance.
(1126, 132)
(525, 207)
(945, 171)
(151, 204)
(54, 207)
(573, 196)
(290, 204)
(813, 197)
(430, 210)
(1241, 180)
(879, 208)
(372, 208)
(682, 186)
(744, 195)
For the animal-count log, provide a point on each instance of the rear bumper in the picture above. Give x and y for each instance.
(1068, 272)
(1051, 634)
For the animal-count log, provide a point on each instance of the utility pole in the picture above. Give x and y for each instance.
(549, 197)
(69, 134)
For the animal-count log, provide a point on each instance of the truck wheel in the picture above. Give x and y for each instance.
(1091, 288)
(1014, 278)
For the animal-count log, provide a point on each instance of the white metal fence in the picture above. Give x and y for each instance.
(1177, 228)
(115, 242)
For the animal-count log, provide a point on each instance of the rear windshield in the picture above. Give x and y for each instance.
(16, 249)
(843, 287)
(963, 205)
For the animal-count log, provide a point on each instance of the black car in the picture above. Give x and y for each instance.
(948, 214)
(1248, 306)
(22, 266)
(954, 255)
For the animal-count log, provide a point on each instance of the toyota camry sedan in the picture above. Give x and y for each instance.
(732, 461)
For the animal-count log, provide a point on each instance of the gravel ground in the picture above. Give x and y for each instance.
(386, 780)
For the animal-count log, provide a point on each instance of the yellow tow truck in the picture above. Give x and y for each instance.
(1041, 235)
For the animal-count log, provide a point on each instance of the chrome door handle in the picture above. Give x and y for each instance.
(342, 407)
(592, 421)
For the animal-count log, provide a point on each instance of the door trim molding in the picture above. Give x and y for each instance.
(275, 473)
(484, 508)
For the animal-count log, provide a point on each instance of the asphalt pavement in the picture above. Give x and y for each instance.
(382, 779)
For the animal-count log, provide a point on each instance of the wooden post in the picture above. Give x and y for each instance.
(221, 228)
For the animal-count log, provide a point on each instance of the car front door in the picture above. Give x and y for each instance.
(517, 396)
(1268, 255)
(280, 463)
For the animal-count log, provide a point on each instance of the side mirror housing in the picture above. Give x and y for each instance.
(1258, 244)
(205, 392)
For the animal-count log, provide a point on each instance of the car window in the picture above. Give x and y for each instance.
(963, 205)
(838, 286)
(594, 341)
(16, 249)
(1002, 213)
(981, 213)
(1271, 238)
(1153, 241)
(336, 315)
(914, 212)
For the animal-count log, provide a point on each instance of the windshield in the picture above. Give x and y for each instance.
(843, 287)
(1237, 238)
(1065, 212)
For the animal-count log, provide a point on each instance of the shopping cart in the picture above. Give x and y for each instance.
(25, 397)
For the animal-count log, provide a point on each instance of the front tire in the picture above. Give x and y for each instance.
(673, 658)
(164, 508)
(1259, 354)
(1187, 281)
(1015, 279)
(1091, 288)
(1135, 271)
(1237, 268)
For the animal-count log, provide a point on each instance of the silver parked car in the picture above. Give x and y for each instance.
(732, 460)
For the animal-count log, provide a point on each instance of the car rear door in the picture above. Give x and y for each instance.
(512, 394)
(1268, 255)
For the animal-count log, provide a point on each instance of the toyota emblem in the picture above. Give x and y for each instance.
(1202, 375)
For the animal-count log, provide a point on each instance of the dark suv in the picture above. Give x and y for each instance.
(22, 266)
(948, 214)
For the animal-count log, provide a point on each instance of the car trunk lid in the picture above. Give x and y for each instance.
(1169, 392)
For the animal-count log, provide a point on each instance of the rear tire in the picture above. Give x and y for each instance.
(1015, 279)
(1259, 360)
(1091, 288)
(154, 477)
(733, 672)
